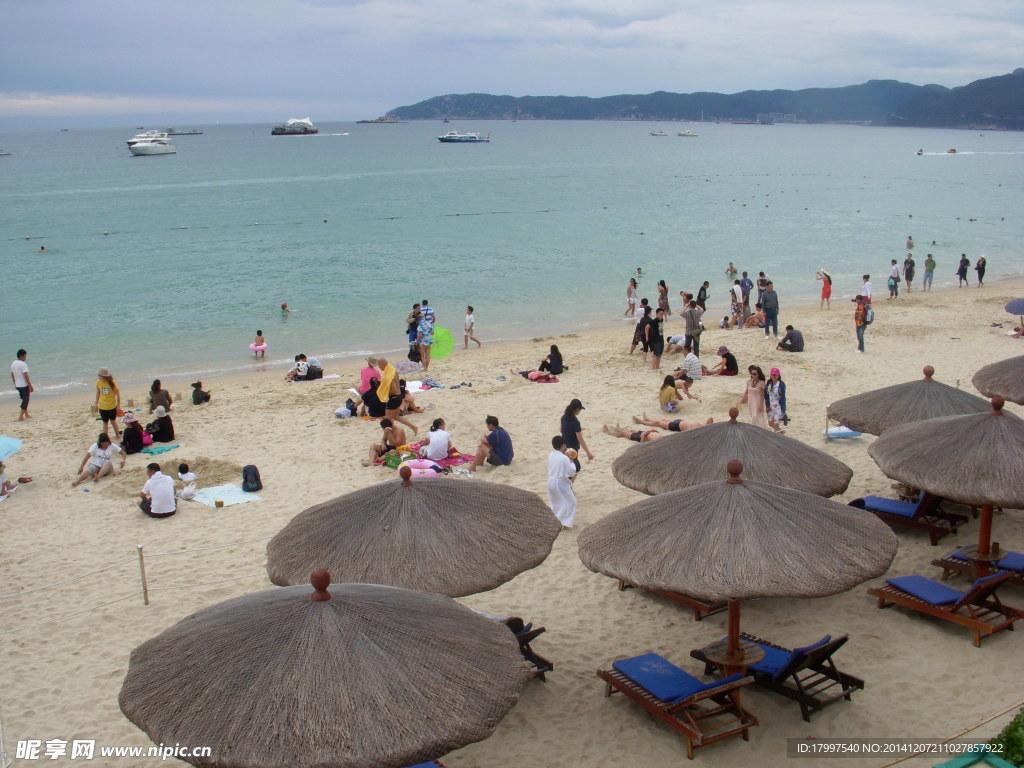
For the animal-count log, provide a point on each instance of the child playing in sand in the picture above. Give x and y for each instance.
(198, 395)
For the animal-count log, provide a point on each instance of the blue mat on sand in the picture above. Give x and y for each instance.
(229, 494)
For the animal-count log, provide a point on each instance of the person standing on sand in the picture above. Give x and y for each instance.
(22, 382)
(655, 331)
(663, 297)
(412, 323)
(893, 281)
(909, 270)
(692, 315)
(929, 273)
(979, 267)
(770, 304)
(826, 288)
(561, 474)
(746, 286)
(630, 298)
(469, 326)
(859, 321)
(425, 338)
(643, 316)
(108, 399)
(389, 392)
(753, 396)
(961, 270)
(572, 431)
(865, 290)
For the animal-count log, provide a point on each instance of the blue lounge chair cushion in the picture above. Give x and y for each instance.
(929, 590)
(890, 506)
(958, 555)
(776, 660)
(1014, 561)
(663, 679)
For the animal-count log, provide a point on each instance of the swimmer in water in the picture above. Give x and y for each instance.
(731, 269)
(42, 249)
(284, 307)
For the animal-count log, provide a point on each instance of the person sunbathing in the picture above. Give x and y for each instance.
(541, 376)
(640, 436)
(672, 425)
(392, 439)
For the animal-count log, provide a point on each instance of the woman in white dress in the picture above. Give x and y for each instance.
(561, 473)
(753, 396)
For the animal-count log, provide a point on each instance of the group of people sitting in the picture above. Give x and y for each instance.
(305, 369)
(494, 448)
(549, 369)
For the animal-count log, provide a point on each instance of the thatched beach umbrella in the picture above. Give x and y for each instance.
(977, 459)
(1004, 379)
(360, 676)
(699, 456)
(736, 539)
(881, 409)
(1016, 307)
(452, 536)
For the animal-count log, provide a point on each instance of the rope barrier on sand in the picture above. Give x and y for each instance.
(207, 549)
(65, 581)
(207, 583)
(69, 615)
(968, 729)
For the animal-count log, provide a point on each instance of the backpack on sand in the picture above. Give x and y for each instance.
(251, 479)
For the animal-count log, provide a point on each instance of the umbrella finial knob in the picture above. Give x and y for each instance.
(997, 404)
(735, 469)
(406, 474)
(928, 372)
(734, 413)
(320, 579)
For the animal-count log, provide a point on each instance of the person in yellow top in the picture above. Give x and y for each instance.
(108, 400)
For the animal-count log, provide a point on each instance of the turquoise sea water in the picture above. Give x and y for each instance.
(167, 265)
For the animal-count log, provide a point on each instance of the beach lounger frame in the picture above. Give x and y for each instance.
(950, 564)
(927, 515)
(703, 719)
(978, 609)
(811, 678)
(539, 663)
(701, 608)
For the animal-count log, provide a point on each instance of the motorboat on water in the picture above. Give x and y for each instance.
(152, 145)
(658, 132)
(454, 137)
(688, 134)
(4, 153)
(146, 136)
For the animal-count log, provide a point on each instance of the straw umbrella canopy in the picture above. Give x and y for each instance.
(440, 534)
(699, 456)
(1004, 379)
(881, 409)
(360, 676)
(977, 459)
(739, 538)
(1016, 307)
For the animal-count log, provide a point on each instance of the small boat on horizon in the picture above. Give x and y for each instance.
(295, 126)
(454, 137)
(688, 134)
(658, 132)
(151, 143)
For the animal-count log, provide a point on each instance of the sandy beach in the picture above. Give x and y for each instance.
(66, 646)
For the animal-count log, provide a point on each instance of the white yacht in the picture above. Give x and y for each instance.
(688, 134)
(151, 143)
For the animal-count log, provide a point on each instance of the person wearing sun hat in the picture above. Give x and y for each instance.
(728, 366)
(162, 429)
(775, 400)
(132, 436)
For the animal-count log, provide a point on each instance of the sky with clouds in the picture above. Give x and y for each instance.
(234, 61)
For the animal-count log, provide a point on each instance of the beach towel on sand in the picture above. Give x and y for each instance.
(156, 450)
(229, 494)
(454, 457)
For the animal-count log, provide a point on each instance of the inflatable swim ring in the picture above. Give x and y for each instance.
(258, 348)
(421, 467)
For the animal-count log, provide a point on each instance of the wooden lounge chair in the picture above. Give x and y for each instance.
(955, 562)
(525, 636)
(978, 608)
(926, 515)
(807, 675)
(701, 608)
(702, 713)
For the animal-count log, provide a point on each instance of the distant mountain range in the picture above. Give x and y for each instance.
(995, 103)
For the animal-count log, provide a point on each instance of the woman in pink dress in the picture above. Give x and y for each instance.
(753, 396)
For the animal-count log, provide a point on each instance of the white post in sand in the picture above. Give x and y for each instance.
(142, 570)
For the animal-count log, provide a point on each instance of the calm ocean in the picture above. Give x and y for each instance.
(166, 266)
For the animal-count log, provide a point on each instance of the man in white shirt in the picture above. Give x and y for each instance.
(157, 497)
(561, 473)
(97, 461)
(865, 289)
(22, 382)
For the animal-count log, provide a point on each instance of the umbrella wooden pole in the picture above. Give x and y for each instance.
(985, 537)
(733, 646)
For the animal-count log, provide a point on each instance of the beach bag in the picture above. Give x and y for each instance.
(414, 353)
(188, 492)
(251, 479)
(869, 316)
(147, 438)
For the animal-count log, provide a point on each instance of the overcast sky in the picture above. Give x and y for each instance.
(234, 61)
